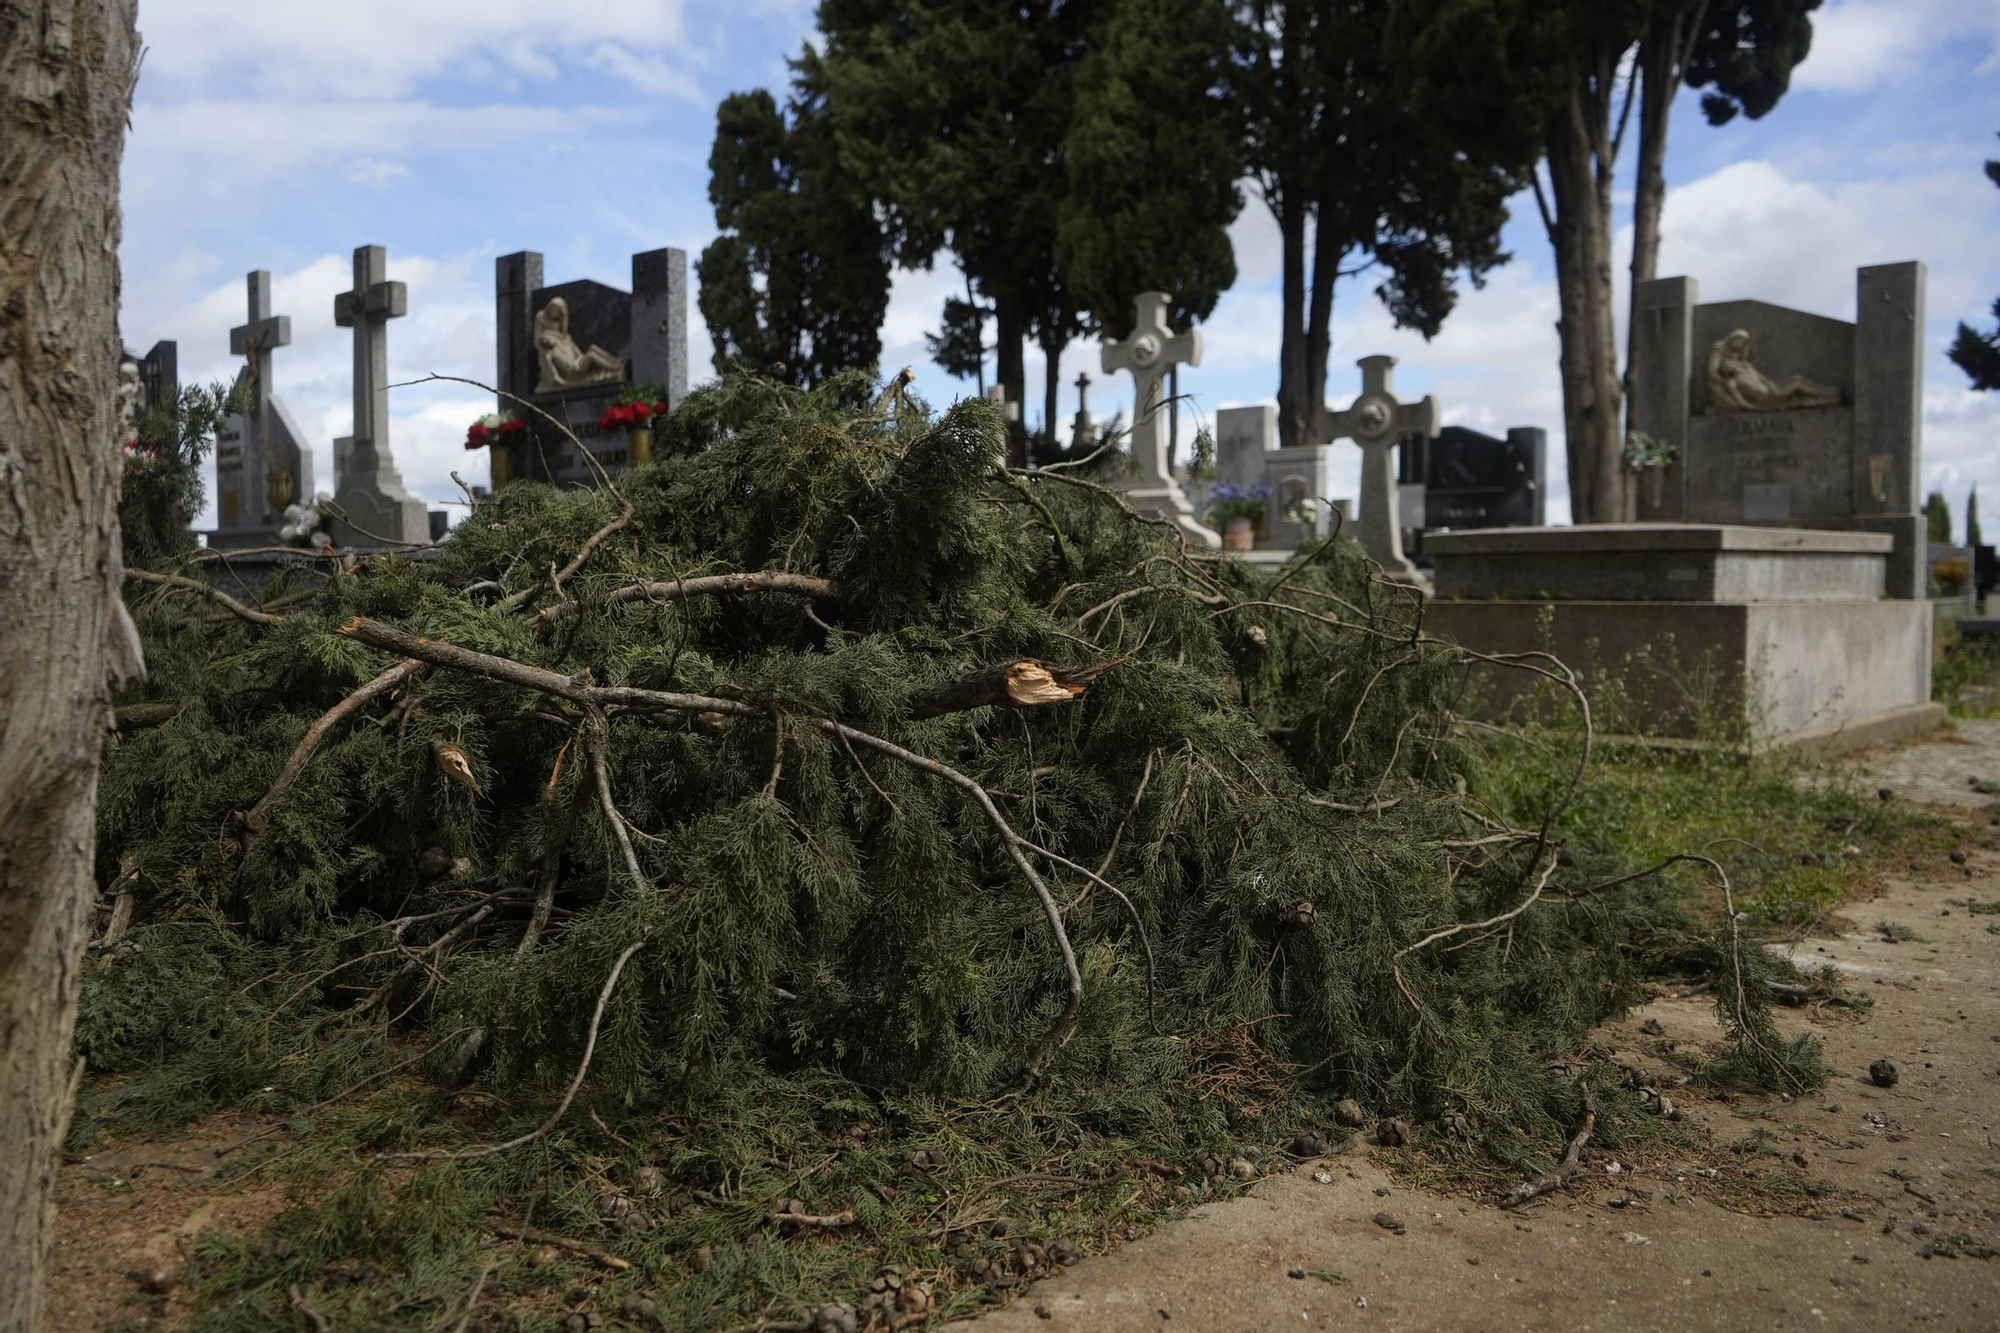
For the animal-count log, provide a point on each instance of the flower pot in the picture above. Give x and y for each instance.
(500, 466)
(639, 446)
(1239, 534)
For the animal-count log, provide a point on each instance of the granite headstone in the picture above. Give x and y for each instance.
(1780, 417)
(262, 462)
(572, 360)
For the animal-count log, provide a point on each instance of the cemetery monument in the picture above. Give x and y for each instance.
(367, 489)
(571, 349)
(1781, 547)
(262, 461)
(1151, 350)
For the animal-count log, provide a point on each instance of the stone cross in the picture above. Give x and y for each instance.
(256, 340)
(1377, 422)
(1149, 353)
(365, 482)
(1083, 430)
(261, 461)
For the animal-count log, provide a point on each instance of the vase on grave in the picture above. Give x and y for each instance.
(1239, 534)
(281, 490)
(499, 466)
(638, 446)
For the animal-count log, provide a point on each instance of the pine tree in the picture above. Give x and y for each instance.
(797, 283)
(1972, 537)
(1976, 353)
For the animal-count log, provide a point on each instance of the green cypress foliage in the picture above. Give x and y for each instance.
(1976, 353)
(1320, 890)
(1937, 517)
(796, 284)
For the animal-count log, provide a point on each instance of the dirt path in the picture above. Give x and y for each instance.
(1902, 1173)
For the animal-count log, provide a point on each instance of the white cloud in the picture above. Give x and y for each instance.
(368, 49)
(1858, 45)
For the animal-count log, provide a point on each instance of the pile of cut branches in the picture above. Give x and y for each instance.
(827, 771)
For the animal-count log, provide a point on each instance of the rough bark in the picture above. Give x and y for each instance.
(1010, 372)
(1297, 417)
(67, 68)
(1581, 151)
(1023, 683)
(1663, 58)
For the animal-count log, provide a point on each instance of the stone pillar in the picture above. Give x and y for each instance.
(1662, 377)
(1532, 443)
(1243, 437)
(1888, 414)
(516, 278)
(658, 349)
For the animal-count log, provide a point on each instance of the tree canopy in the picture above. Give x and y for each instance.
(797, 283)
(1976, 353)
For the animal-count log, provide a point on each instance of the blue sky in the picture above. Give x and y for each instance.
(281, 136)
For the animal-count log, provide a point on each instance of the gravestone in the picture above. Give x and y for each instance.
(149, 381)
(1465, 479)
(1377, 421)
(366, 486)
(262, 462)
(1082, 430)
(1784, 418)
(572, 348)
(996, 394)
(1150, 352)
(1247, 454)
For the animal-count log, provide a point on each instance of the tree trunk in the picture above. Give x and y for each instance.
(67, 68)
(1328, 251)
(1297, 414)
(1662, 60)
(1580, 232)
(1051, 395)
(1010, 331)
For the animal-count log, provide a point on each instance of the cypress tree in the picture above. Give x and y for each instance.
(1976, 353)
(1937, 518)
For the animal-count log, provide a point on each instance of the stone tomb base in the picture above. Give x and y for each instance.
(1793, 624)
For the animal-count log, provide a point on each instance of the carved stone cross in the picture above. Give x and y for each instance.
(1377, 422)
(366, 484)
(256, 339)
(367, 310)
(1150, 352)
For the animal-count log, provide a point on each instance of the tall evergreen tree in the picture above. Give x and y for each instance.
(1976, 353)
(1972, 517)
(1937, 518)
(1555, 81)
(952, 116)
(797, 283)
(1355, 181)
(959, 346)
(1153, 159)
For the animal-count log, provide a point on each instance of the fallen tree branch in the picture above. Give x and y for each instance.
(770, 580)
(843, 1218)
(521, 1231)
(259, 816)
(440, 653)
(582, 1068)
(1022, 683)
(1565, 1169)
(512, 600)
(235, 607)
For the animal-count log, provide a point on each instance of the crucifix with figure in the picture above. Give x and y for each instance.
(366, 485)
(261, 462)
(1150, 353)
(1377, 422)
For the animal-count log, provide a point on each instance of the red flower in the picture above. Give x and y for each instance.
(659, 409)
(475, 438)
(512, 426)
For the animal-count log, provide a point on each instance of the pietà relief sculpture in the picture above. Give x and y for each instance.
(1734, 385)
(563, 364)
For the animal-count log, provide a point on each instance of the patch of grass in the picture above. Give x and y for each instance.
(1895, 932)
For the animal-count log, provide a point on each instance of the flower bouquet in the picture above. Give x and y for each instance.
(635, 411)
(1240, 510)
(307, 523)
(494, 428)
